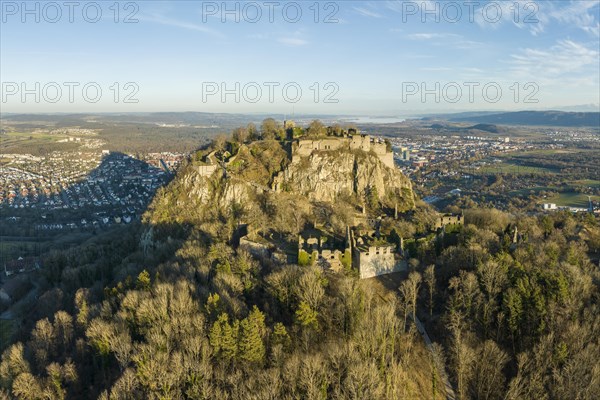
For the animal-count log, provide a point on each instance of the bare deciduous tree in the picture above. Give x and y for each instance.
(430, 282)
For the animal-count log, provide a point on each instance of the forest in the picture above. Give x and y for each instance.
(173, 310)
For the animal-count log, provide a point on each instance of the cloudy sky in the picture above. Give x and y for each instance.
(344, 57)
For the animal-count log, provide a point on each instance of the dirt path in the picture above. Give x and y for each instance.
(450, 395)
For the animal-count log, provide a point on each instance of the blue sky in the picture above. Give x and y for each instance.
(374, 58)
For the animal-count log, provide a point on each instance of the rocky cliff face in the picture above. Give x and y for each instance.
(323, 176)
(217, 187)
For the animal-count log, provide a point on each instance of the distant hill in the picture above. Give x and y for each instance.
(467, 114)
(480, 127)
(185, 117)
(544, 118)
(485, 127)
(190, 118)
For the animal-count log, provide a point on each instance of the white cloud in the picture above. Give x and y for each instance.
(445, 39)
(565, 62)
(430, 36)
(536, 16)
(159, 19)
(366, 13)
(578, 13)
(473, 70)
(593, 30)
(521, 13)
(532, 15)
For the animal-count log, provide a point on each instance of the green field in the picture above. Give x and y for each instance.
(531, 190)
(571, 199)
(33, 143)
(12, 138)
(567, 199)
(586, 183)
(508, 167)
(539, 152)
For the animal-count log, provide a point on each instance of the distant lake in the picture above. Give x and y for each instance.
(376, 120)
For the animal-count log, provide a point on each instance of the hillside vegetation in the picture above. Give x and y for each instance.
(173, 309)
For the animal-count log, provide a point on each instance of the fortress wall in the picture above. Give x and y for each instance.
(376, 261)
(331, 144)
(360, 142)
(379, 148)
(305, 147)
(206, 170)
(377, 264)
(387, 159)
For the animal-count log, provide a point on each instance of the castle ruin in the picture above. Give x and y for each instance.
(449, 219)
(369, 256)
(315, 247)
(305, 147)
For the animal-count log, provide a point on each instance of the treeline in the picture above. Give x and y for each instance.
(271, 129)
(517, 313)
(512, 303)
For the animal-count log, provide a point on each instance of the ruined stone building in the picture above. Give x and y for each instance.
(374, 257)
(449, 219)
(322, 249)
(370, 257)
(305, 147)
(209, 166)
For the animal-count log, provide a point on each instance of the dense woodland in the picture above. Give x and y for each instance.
(171, 310)
(211, 323)
(520, 320)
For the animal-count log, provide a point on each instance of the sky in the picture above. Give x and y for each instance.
(380, 58)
